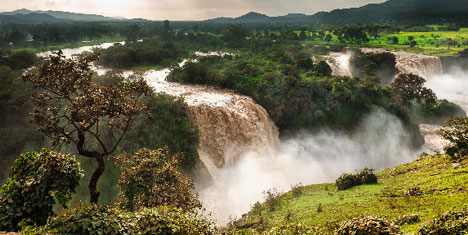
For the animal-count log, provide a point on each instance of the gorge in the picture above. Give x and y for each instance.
(241, 148)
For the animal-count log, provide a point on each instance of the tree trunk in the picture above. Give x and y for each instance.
(93, 192)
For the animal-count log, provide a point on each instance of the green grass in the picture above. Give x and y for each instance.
(428, 43)
(444, 187)
(53, 47)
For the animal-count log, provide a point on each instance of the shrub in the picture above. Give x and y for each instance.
(151, 178)
(94, 219)
(36, 182)
(367, 176)
(346, 181)
(272, 198)
(367, 225)
(453, 222)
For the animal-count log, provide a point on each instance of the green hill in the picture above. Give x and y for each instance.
(428, 186)
(61, 15)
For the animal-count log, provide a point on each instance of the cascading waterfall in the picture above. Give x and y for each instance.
(421, 65)
(450, 86)
(230, 124)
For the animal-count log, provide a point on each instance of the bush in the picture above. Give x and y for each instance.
(151, 178)
(367, 176)
(367, 225)
(37, 181)
(94, 219)
(454, 222)
(346, 181)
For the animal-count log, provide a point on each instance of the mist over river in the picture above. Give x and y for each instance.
(241, 148)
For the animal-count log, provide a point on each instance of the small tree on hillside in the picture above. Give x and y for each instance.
(456, 131)
(70, 107)
(409, 87)
(150, 178)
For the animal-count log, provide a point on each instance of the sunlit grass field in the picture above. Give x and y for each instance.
(428, 43)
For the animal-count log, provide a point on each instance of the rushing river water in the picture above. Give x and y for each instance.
(240, 145)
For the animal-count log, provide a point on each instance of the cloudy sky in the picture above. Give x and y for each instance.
(183, 9)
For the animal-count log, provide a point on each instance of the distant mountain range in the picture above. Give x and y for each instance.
(25, 15)
(392, 11)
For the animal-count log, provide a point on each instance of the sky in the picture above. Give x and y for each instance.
(183, 9)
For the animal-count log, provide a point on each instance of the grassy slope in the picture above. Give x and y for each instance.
(444, 187)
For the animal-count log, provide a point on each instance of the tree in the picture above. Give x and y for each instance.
(395, 40)
(150, 178)
(409, 87)
(71, 108)
(328, 38)
(36, 182)
(413, 43)
(323, 69)
(456, 131)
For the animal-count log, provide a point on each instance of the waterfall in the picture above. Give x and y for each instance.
(424, 66)
(230, 125)
(339, 63)
(421, 65)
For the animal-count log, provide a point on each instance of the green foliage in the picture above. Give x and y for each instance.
(19, 60)
(452, 222)
(37, 182)
(456, 131)
(438, 112)
(94, 219)
(381, 65)
(367, 225)
(346, 181)
(150, 178)
(293, 99)
(410, 87)
(323, 69)
(166, 125)
(152, 52)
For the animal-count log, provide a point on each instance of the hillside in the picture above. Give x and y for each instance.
(29, 17)
(60, 15)
(392, 11)
(428, 186)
